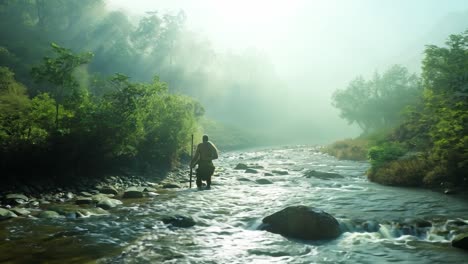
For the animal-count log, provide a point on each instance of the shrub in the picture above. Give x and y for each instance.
(348, 149)
(408, 172)
(389, 151)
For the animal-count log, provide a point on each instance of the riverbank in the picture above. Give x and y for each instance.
(394, 164)
(83, 196)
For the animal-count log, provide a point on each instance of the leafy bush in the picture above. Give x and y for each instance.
(389, 151)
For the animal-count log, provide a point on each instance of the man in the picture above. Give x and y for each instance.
(205, 153)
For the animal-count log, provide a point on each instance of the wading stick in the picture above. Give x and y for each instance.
(191, 157)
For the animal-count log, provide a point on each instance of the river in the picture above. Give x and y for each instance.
(379, 222)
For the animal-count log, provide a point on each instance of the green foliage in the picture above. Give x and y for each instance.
(59, 72)
(377, 103)
(437, 126)
(381, 154)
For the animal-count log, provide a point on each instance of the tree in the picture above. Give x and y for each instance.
(445, 78)
(59, 72)
(378, 103)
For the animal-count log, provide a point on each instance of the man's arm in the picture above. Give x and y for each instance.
(214, 152)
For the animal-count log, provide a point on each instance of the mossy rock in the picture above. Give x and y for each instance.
(49, 214)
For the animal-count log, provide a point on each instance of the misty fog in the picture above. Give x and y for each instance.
(297, 53)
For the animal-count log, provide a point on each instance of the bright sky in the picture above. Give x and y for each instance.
(293, 30)
(318, 46)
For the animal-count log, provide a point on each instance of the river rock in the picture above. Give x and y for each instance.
(249, 170)
(263, 181)
(133, 192)
(16, 198)
(84, 200)
(48, 214)
(170, 186)
(109, 190)
(179, 221)
(109, 203)
(302, 222)
(21, 211)
(280, 172)
(6, 214)
(461, 241)
(91, 211)
(241, 166)
(323, 175)
(149, 189)
(69, 195)
(243, 179)
(86, 194)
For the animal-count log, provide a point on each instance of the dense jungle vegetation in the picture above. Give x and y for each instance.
(68, 106)
(415, 129)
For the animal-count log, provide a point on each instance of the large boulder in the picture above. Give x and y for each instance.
(179, 221)
(302, 222)
(6, 214)
(322, 175)
(461, 241)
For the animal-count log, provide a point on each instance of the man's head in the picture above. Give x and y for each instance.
(205, 138)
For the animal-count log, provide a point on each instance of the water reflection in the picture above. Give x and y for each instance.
(227, 218)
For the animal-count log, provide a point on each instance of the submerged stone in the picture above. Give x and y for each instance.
(322, 175)
(263, 181)
(241, 166)
(250, 171)
(179, 221)
(280, 172)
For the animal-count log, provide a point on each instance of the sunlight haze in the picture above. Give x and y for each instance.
(317, 47)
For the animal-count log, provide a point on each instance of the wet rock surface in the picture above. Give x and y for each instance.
(302, 222)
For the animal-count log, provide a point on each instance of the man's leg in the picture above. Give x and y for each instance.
(208, 182)
(199, 183)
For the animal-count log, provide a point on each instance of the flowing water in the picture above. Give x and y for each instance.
(380, 223)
